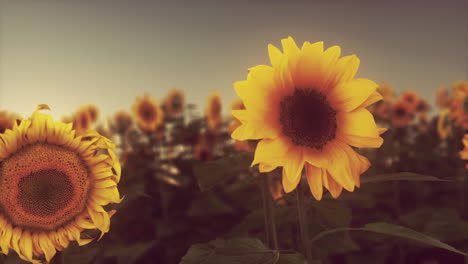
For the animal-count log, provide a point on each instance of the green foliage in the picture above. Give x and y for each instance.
(238, 251)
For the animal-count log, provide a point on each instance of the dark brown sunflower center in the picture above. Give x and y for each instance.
(307, 118)
(44, 192)
(400, 112)
(147, 112)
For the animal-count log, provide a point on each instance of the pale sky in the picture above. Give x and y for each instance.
(67, 53)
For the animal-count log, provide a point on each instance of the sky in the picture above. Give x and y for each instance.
(69, 53)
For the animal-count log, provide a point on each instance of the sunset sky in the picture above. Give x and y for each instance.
(68, 53)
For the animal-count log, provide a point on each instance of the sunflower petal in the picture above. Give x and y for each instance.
(314, 179)
(348, 96)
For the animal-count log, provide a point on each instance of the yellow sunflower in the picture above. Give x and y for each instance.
(213, 111)
(7, 120)
(401, 113)
(308, 110)
(464, 152)
(148, 114)
(53, 186)
(122, 122)
(174, 102)
(444, 125)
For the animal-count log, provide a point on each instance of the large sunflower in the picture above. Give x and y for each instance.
(148, 114)
(308, 110)
(174, 102)
(53, 186)
(213, 111)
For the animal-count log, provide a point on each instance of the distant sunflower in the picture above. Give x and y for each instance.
(7, 120)
(423, 121)
(308, 109)
(411, 98)
(204, 149)
(386, 91)
(174, 102)
(464, 152)
(82, 120)
(442, 97)
(122, 122)
(213, 111)
(53, 186)
(444, 125)
(422, 106)
(148, 114)
(401, 113)
(93, 112)
(459, 103)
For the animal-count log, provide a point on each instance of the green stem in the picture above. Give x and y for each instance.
(303, 225)
(269, 213)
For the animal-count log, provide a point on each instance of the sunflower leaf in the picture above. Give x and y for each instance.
(212, 173)
(396, 231)
(233, 251)
(401, 176)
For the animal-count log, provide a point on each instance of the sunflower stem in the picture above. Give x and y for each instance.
(303, 225)
(269, 213)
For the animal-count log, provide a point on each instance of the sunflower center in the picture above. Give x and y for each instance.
(147, 112)
(44, 192)
(43, 186)
(307, 118)
(400, 112)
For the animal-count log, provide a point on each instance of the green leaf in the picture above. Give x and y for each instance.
(211, 173)
(396, 231)
(401, 176)
(403, 232)
(234, 251)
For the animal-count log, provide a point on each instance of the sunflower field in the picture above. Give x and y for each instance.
(313, 165)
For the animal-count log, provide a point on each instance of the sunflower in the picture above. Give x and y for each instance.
(386, 91)
(411, 98)
(53, 186)
(148, 114)
(7, 120)
(235, 123)
(460, 89)
(464, 152)
(82, 120)
(401, 113)
(423, 121)
(213, 111)
(174, 102)
(444, 125)
(307, 109)
(442, 97)
(422, 106)
(122, 122)
(93, 112)
(204, 149)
